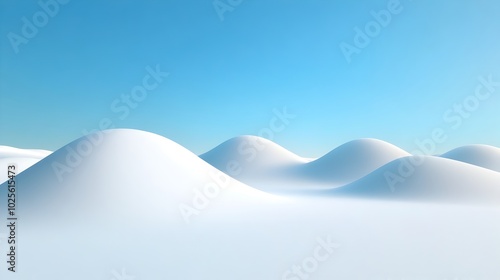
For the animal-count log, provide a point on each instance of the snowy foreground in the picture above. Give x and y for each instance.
(128, 204)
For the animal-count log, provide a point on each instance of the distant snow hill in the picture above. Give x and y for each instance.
(360, 168)
(264, 164)
(364, 167)
(480, 155)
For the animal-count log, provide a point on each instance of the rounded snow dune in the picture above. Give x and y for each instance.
(480, 155)
(427, 178)
(253, 160)
(353, 160)
(125, 174)
(107, 206)
(251, 152)
(265, 165)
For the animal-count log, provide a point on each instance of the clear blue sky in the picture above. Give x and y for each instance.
(226, 76)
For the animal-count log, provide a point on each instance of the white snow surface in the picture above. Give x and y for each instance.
(12, 152)
(23, 158)
(113, 206)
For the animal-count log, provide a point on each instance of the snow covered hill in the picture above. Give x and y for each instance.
(428, 179)
(480, 155)
(124, 166)
(360, 167)
(264, 164)
(128, 204)
(352, 161)
(256, 161)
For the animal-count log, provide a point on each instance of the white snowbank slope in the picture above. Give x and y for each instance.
(480, 155)
(428, 179)
(266, 165)
(124, 166)
(254, 160)
(138, 206)
(353, 160)
(360, 167)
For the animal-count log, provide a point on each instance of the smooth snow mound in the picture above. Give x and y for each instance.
(265, 165)
(364, 168)
(427, 178)
(480, 155)
(138, 173)
(353, 160)
(110, 210)
(251, 152)
(252, 159)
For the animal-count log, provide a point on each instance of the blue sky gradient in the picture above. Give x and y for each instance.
(230, 71)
